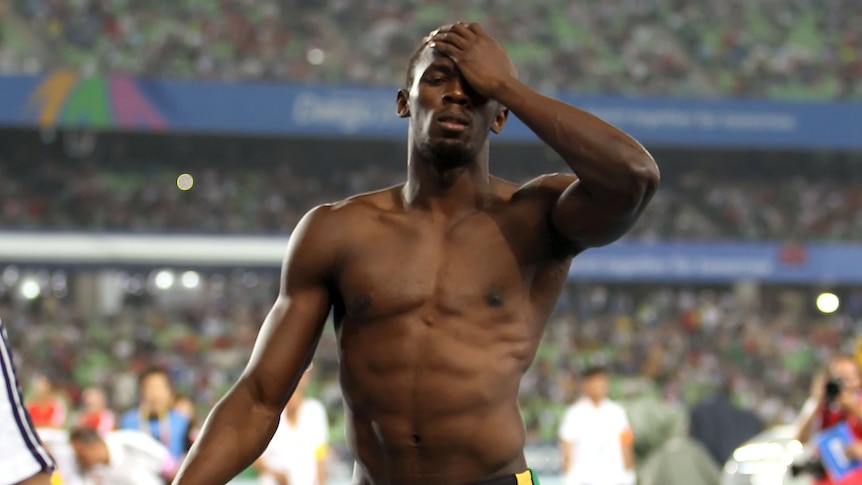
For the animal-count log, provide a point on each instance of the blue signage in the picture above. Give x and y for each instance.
(721, 263)
(65, 98)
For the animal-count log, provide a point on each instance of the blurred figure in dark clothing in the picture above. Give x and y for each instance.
(720, 425)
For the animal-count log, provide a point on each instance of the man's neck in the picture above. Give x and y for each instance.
(447, 191)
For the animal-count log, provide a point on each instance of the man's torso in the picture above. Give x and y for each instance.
(437, 322)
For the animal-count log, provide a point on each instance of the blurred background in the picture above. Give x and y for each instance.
(155, 156)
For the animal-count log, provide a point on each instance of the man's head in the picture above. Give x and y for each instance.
(156, 390)
(449, 121)
(90, 449)
(594, 383)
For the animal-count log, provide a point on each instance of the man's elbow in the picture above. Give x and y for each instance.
(641, 180)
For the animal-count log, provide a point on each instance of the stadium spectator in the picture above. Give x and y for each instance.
(126, 457)
(696, 203)
(46, 406)
(95, 412)
(186, 407)
(836, 398)
(596, 440)
(298, 451)
(787, 49)
(155, 414)
(720, 425)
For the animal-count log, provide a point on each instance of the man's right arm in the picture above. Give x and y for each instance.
(242, 423)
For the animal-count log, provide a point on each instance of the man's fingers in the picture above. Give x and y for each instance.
(463, 30)
(476, 28)
(446, 48)
(452, 37)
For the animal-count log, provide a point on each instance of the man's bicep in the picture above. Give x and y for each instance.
(589, 222)
(290, 332)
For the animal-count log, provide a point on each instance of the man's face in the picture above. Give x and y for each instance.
(156, 393)
(85, 454)
(449, 121)
(596, 387)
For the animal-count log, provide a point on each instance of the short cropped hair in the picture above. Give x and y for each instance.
(154, 371)
(85, 435)
(594, 370)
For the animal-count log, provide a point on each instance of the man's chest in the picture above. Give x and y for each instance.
(398, 264)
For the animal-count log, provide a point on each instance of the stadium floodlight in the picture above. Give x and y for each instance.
(191, 279)
(828, 302)
(30, 289)
(164, 279)
(185, 181)
(315, 56)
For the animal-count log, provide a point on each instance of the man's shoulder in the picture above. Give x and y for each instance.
(354, 206)
(577, 406)
(615, 408)
(548, 185)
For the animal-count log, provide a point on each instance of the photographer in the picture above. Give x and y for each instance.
(836, 397)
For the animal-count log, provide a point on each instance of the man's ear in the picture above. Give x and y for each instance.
(402, 106)
(500, 119)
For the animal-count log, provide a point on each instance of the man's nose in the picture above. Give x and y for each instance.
(456, 94)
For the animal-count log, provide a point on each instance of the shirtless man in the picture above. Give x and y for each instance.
(440, 288)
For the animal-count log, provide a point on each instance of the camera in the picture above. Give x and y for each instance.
(812, 466)
(833, 389)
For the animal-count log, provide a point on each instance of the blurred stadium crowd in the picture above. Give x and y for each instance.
(685, 340)
(695, 203)
(771, 48)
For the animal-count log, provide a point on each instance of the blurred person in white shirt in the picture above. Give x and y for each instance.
(298, 450)
(125, 457)
(596, 440)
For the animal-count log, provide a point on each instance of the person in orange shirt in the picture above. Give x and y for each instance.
(95, 412)
(46, 407)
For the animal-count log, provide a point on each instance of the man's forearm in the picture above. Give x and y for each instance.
(234, 435)
(599, 153)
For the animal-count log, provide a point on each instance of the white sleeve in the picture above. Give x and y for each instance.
(568, 427)
(146, 450)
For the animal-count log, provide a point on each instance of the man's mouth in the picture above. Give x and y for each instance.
(454, 122)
